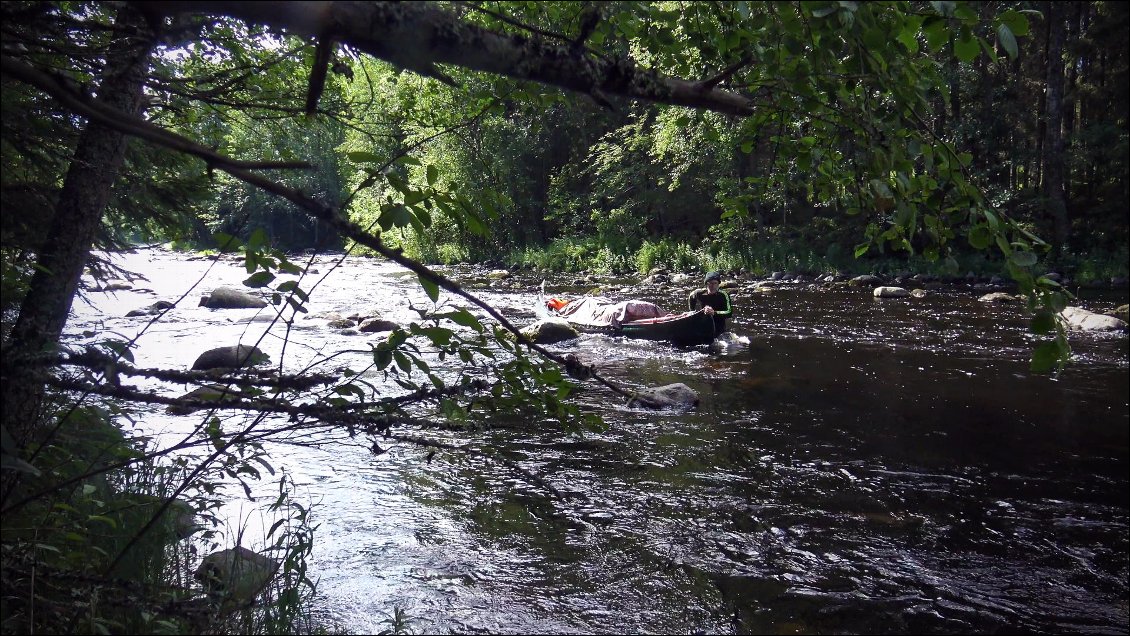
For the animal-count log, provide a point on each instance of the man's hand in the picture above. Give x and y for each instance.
(708, 310)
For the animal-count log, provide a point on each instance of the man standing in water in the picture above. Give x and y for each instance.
(713, 300)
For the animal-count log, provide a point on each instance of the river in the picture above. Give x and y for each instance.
(862, 466)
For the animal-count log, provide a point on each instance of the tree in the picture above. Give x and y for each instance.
(821, 86)
(86, 190)
(1053, 158)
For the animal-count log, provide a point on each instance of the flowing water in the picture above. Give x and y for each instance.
(862, 466)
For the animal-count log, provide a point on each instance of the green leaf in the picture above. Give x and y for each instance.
(360, 156)
(980, 237)
(967, 49)
(394, 216)
(466, 319)
(909, 39)
(1043, 322)
(1005, 248)
(432, 175)
(1007, 40)
(936, 34)
(1016, 22)
(431, 288)
(1024, 258)
(1047, 355)
(402, 361)
(226, 242)
(382, 357)
(258, 239)
(259, 279)
(103, 519)
(287, 267)
(1056, 301)
(291, 286)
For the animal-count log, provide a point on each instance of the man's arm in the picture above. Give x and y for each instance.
(728, 310)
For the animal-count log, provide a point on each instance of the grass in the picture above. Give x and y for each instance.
(99, 536)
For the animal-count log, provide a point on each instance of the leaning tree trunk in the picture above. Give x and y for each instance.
(86, 190)
(1053, 130)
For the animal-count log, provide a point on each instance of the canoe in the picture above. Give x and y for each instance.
(684, 329)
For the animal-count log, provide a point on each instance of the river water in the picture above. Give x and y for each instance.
(862, 466)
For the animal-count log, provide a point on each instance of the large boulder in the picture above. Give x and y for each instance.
(231, 298)
(1080, 319)
(232, 357)
(670, 396)
(237, 574)
(890, 292)
(375, 325)
(549, 331)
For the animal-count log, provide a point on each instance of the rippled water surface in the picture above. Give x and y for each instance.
(862, 466)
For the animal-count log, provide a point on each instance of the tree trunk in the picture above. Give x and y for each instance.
(1053, 172)
(60, 261)
(1071, 98)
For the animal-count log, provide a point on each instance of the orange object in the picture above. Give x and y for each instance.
(556, 303)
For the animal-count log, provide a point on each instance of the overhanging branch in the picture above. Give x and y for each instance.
(420, 35)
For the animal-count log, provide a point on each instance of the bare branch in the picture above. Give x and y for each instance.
(318, 70)
(710, 83)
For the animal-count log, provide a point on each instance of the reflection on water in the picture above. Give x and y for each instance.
(862, 466)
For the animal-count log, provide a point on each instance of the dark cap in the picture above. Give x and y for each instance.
(713, 276)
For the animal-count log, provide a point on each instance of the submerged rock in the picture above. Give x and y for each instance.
(728, 341)
(890, 292)
(998, 297)
(670, 396)
(549, 331)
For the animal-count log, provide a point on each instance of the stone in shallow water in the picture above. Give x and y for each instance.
(1080, 319)
(890, 292)
(231, 298)
(670, 396)
(230, 358)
